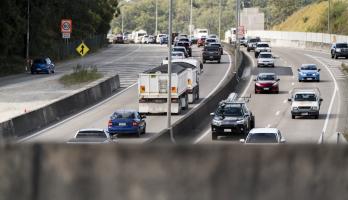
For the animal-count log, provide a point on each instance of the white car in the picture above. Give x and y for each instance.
(91, 136)
(305, 102)
(145, 39)
(262, 47)
(178, 55)
(158, 38)
(264, 135)
(265, 59)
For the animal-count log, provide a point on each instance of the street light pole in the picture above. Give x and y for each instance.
(28, 37)
(220, 19)
(169, 99)
(236, 56)
(156, 31)
(328, 18)
(190, 28)
(122, 22)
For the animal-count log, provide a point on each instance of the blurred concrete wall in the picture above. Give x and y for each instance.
(252, 19)
(147, 172)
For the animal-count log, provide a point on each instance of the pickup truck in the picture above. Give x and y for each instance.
(305, 102)
(211, 53)
(153, 89)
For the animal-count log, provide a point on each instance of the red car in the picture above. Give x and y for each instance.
(267, 82)
(201, 42)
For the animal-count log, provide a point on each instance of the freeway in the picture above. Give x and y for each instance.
(97, 116)
(273, 110)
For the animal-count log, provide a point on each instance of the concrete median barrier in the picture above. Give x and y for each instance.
(35, 120)
(186, 129)
(156, 172)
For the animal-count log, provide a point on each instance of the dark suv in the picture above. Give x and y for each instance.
(211, 53)
(252, 42)
(187, 45)
(339, 50)
(231, 117)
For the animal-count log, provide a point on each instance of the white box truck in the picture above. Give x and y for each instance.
(194, 69)
(153, 86)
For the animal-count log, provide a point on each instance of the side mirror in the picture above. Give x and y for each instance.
(255, 79)
(242, 141)
(166, 58)
(321, 99)
(143, 116)
(289, 99)
(319, 70)
(278, 79)
(212, 114)
(298, 70)
(282, 140)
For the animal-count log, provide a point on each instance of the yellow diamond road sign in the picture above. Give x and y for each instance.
(82, 49)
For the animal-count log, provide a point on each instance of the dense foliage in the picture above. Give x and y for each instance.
(90, 18)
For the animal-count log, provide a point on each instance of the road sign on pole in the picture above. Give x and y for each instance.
(66, 26)
(66, 35)
(82, 49)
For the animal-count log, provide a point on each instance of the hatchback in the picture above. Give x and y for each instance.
(42, 65)
(127, 122)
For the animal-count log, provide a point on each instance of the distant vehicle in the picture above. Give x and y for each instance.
(201, 32)
(178, 55)
(265, 59)
(305, 102)
(183, 36)
(210, 40)
(308, 72)
(138, 35)
(145, 39)
(262, 47)
(174, 37)
(192, 61)
(184, 39)
(232, 117)
(182, 49)
(118, 39)
(151, 39)
(339, 50)
(110, 38)
(211, 53)
(91, 136)
(201, 42)
(213, 36)
(193, 39)
(158, 38)
(244, 41)
(153, 90)
(42, 65)
(164, 40)
(187, 45)
(128, 122)
(264, 135)
(252, 43)
(267, 82)
(218, 45)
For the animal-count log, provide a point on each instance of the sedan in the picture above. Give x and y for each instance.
(201, 42)
(42, 65)
(264, 135)
(308, 72)
(267, 82)
(91, 136)
(181, 49)
(127, 122)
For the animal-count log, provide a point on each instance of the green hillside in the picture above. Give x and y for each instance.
(313, 18)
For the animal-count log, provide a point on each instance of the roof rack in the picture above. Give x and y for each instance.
(234, 98)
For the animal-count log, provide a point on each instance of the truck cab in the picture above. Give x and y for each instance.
(305, 102)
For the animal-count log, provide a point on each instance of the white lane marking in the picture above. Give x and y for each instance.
(285, 101)
(333, 95)
(251, 78)
(229, 71)
(76, 115)
(292, 83)
(277, 113)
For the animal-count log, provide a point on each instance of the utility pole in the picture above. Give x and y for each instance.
(28, 37)
(156, 26)
(169, 99)
(236, 56)
(219, 19)
(190, 27)
(328, 18)
(122, 22)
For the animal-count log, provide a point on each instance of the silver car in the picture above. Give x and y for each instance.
(91, 136)
(264, 135)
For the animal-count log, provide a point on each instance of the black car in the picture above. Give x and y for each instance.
(252, 42)
(217, 45)
(42, 65)
(186, 45)
(339, 50)
(211, 53)
(232, 117)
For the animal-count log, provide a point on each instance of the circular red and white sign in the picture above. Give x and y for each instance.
(66, 26)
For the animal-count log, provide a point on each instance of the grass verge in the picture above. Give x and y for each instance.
(81, 75)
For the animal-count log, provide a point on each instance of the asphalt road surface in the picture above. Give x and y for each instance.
(98, 116)
(273, 110)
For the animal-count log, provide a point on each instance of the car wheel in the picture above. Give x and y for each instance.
(138, 135)
(186, 102)
(335, 56)
(219, 61)
(318, 80)
(204, 61)
(299, 80)
(293, 116)
(316, 117)
(214, 136)
(144, 131)
(32, 72)
(252, 122)
(332, 56)
(197, 94)
(52, 71)
(248, 50)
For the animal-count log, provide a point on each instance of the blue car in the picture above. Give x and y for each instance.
(128, 122)
(308, 72)
(164, 40)
(42, 65)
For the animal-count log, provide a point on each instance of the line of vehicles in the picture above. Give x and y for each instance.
(233, 116)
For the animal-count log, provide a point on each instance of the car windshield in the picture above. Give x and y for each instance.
(177, 54)
(39, 61)
(123, 115)
(230, 110)
(184, 39)
(305, 97)
(265, 55)
(342, 45)
(262, 138)
(262, 45)
(211, 40)
(179, 49)
(91, 134)
(266, 77)
(309, 67)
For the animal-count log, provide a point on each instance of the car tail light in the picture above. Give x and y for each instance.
(189, 82)
(174, 90)
(135, 124)
(110, 123)
(175, 100)
(142, 88)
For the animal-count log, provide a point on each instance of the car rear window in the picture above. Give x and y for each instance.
(262, 138)
(266, 77)
(177, 54)
(265, 55)
(184, 39)
(262, 45)
(125, 115)
(255, 40)
(211, 48)
(91, 134)
(179, 49)
(230, 110)
(309, 67)
(39, 61)
(342, 45)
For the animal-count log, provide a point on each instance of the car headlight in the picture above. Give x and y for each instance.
(315, 74)
(275, 84)
(241, 121)
(216, 122)
(295, 108)
(314, 108)
(338, 50)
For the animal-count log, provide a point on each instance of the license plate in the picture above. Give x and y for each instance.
(122, 124)
(228, 130)
(266, 88)
(38, 69)
(304, 114)
(211, 57)
(309, 79)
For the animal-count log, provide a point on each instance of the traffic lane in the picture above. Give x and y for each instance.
(98, 117)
